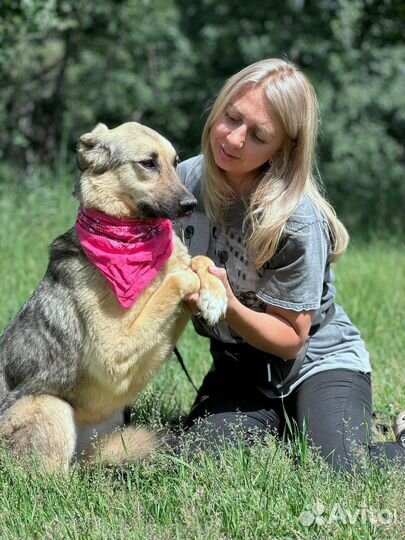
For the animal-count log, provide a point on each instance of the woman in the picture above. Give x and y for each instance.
(285, 348)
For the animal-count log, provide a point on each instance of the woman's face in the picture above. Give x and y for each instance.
(244, 137)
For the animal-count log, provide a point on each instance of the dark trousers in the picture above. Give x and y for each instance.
(332, 408)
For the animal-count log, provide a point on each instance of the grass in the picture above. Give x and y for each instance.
(258, 493)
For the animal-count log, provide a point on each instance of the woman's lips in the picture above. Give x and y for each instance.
(224, 154)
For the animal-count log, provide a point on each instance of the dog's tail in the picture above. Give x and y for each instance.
(126, 445)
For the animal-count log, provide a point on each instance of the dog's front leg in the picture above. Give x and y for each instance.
(163, 317)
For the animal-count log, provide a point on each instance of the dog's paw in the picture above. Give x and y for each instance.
(213, 305)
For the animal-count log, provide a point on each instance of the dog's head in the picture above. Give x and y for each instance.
(130, 171)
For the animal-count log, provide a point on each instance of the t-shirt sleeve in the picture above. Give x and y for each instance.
(183, 170)
(190, 171)
(294, 277)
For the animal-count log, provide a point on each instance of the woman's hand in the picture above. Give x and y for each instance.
(220, 273)
(191, 301)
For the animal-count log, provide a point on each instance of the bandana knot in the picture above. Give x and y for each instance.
(128, 252)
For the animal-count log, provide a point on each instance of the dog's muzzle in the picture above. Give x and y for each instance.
(187, 206)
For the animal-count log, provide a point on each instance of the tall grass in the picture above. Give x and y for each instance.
(256, 493)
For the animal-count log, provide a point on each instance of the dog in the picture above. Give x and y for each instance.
(81, 349)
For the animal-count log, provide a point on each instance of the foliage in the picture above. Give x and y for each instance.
(67, 64)
(81, 63)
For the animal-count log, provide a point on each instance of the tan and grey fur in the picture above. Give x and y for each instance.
(73, 357)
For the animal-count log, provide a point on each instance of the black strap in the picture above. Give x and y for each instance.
(183, 367)
(127, 415)
(330, 312)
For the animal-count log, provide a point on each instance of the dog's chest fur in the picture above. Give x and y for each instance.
(116, 361)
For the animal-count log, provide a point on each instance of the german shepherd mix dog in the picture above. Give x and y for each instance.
(110, 307)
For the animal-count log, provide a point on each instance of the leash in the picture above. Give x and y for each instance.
(183, 367)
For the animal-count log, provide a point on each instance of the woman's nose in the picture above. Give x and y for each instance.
(237, 137)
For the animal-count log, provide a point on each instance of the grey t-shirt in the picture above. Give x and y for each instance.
(298, 277)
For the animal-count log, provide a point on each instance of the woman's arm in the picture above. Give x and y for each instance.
(279, 331)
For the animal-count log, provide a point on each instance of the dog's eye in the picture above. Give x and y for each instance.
(148, 164)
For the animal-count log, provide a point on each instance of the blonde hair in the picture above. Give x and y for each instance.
(279, 189)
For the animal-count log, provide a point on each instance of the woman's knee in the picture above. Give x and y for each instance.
(334, 413)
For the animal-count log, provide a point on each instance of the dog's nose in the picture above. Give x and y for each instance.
(188, 205)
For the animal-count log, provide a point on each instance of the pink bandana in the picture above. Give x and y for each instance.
(128, 252)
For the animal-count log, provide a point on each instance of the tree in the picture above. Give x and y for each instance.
(67, 64)
(64, 66)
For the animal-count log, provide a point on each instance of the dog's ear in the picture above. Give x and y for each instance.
(94, 150)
